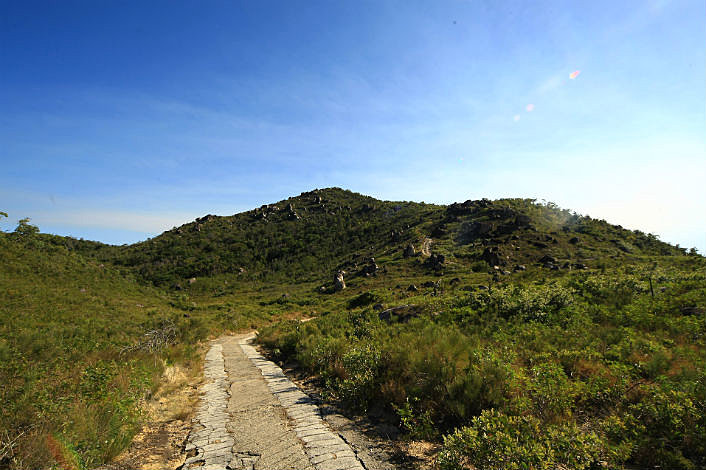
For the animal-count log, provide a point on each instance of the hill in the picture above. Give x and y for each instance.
(317, 232)
(577, 340)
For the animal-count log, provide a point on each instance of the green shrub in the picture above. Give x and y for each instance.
(495, 441)
(671, 431)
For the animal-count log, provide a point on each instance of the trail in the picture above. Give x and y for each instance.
(251, 416)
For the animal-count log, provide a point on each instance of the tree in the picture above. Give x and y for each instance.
(25, 229)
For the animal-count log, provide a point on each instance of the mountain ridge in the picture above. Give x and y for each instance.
(315, 231)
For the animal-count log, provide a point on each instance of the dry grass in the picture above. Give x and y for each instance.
(167, 419)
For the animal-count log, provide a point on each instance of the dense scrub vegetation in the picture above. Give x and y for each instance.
(515, 334)
(582, 371)
(75, 361)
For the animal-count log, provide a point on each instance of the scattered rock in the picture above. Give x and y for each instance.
(403, 313)
(378, 307)
(409, 251)
(520, 267)
(436, 261)
(338, 282)
(493, 256)
(461, 208)
(439, 231)
(412, 288)
(455, 281)
(574, 240)
(479, 229)
(192, 280)
(546, 259)
(370, 269)
(205, 218)
(482, 287)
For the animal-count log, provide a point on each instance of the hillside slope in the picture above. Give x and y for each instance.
(480, 315)
(317, 232)
(71, 376)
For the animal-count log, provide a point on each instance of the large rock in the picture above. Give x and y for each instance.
(370, 269)
(338, 282)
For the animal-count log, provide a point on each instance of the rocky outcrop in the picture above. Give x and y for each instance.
(291, 213)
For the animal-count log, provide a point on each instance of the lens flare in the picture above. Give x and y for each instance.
(516, 117)
(574, 74)
(529, 108)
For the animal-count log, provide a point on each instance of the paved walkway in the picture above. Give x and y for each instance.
(251, 416)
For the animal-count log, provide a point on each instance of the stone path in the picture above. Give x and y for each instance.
(210, 444)
(251, 416)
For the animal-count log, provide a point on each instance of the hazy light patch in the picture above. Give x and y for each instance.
(550, 84)
(119, 220)
(574, 74)
(516, 117)
(529, 108)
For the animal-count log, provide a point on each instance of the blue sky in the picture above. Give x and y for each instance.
(119, 120)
